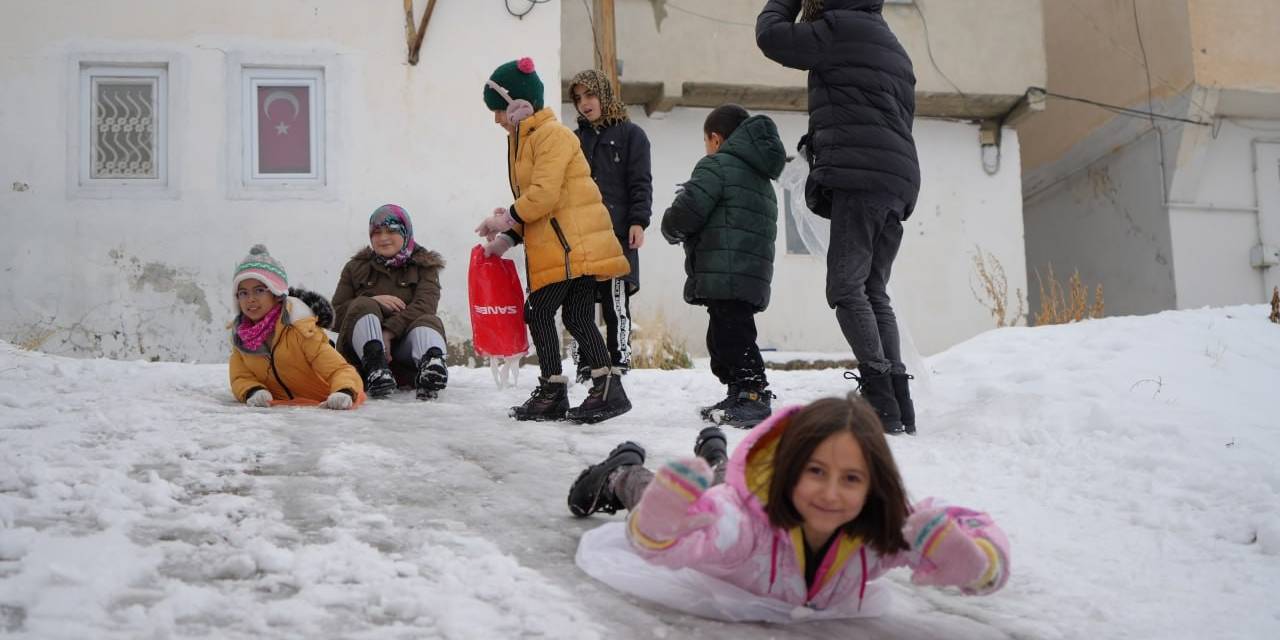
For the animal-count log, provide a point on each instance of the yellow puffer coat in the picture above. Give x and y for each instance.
(299, 364)
(565, 225)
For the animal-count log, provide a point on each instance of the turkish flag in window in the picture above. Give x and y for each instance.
(284, 129)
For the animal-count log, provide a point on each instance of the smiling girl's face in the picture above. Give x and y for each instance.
(832, 488)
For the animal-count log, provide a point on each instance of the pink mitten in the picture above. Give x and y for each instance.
(498, 245)
(663, 515)
(957, 547)
(500, 221)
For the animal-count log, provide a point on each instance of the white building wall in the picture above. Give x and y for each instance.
(1215, 229)
(132, 276)
(960, 209)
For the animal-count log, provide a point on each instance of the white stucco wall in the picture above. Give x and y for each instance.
(1107, 221)
(1215, 228)
(140, 277)
(960, 208)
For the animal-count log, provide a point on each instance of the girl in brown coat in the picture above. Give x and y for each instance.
(569, 244)
(386, 308)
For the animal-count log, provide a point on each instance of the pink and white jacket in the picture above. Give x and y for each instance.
(726, 534)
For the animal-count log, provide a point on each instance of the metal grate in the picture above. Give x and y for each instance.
(124, 128)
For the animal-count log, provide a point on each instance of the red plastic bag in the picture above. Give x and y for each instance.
(497, 306)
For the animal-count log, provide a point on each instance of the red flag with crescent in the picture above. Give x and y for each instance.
(284, 129)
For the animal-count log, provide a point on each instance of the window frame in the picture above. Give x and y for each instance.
(253, 77)
(90, 75)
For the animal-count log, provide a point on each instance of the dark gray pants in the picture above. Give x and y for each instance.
(629, 483)
(866, 232)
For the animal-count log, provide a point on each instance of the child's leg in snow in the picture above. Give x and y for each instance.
(629, 483)
(367, 327)
(543, 305)
(615, 306)
(412, 347)
(578, 314)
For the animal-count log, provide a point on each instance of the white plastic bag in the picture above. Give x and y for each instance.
(605, 554)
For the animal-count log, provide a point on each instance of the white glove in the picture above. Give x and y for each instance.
(338, 400)
(500, 221)
(259, 398)
(499, 245)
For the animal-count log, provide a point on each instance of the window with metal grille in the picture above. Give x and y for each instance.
(123, 125)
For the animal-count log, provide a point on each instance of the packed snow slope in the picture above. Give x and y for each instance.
(1132, 461)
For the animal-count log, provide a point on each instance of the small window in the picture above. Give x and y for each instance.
(795, 243)
(284, 128)
(123, 125)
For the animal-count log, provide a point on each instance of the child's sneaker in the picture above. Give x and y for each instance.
(591, 492)
(750, 408)
(711, 446)
(433, 375)
(379, 382)
(549, 401)
(708, 412)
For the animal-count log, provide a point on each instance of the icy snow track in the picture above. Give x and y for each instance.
(1131, 461)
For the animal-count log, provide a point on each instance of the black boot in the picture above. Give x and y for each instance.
(433, 375)
(710, 446)
(591, 492)
(877, 389)
(902, 393)
(752, 405)
(731, 397)
(549, 401)
(606, 399)
(379, 382)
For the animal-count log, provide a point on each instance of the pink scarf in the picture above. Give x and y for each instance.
(253, 334)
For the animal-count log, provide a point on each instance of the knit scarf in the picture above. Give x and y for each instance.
(253, 334)
(399, 259)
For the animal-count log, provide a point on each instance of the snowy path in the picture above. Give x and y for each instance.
(1130, 460)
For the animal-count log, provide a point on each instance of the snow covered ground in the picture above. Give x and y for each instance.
(1132, 462)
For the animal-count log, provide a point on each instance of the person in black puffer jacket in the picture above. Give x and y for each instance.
(618, 152)
(727, 218)
(864, 173)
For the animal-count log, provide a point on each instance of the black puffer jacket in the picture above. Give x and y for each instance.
(861, 96)
(619, 157)
(727, 217)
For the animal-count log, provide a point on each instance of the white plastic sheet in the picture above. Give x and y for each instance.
(605, 554)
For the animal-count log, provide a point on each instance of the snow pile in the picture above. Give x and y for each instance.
(1131, 461)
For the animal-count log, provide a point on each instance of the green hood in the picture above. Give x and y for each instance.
(756, 143)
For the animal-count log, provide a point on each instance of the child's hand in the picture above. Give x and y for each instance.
(635, 236)
(338, 400)
(389, 303)
(953, 549)
(663, 513)
(498, 245)
(259, 398)
(500, 221)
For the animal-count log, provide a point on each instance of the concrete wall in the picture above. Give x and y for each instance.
(986, 47)
(149, 276)
(1108, 222)
(1234, 44)
(960, 209)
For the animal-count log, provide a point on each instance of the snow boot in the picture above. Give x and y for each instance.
(731, 397)
(605, 400)
(379, 382)
(877, 389)
(902, 393)
(749, 408)
(591, 491)
(433, 375)
(549, 401)
(710, 446)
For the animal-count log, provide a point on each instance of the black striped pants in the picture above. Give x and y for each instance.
(576, 301)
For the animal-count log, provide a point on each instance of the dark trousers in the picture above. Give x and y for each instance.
(731, 341)
(866, 232)
(615, 307)
(576, 300)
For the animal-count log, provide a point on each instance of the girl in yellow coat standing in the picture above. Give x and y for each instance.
(279, 351)
(569, 244)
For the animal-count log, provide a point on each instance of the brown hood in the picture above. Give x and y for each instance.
(612, 109)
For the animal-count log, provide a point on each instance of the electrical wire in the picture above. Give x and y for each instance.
(522, 14)
(1125, 111)
(928, 47)
(595, 39)
(704, 16)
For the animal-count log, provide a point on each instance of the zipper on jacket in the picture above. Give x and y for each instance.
(555, 226)
(271, 362)
(511, 172)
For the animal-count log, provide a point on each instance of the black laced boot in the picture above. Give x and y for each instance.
(433, 375)
(877, 389)
(902, 393)
(711, 446)
(753, 404)
(731, 397)
(549, 401)
(606, 399)
(591, 491)
(379, 382)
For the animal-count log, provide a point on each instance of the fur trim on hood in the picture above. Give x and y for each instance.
(421, 257)
(318, 304)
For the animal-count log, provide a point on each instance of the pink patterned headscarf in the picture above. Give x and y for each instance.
(395, 218)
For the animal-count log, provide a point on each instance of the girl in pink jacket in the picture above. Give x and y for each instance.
(809, 510)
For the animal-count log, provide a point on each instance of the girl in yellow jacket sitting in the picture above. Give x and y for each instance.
(279, 352)
(569, 244)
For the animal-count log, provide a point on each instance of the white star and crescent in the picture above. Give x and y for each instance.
(281, 127)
